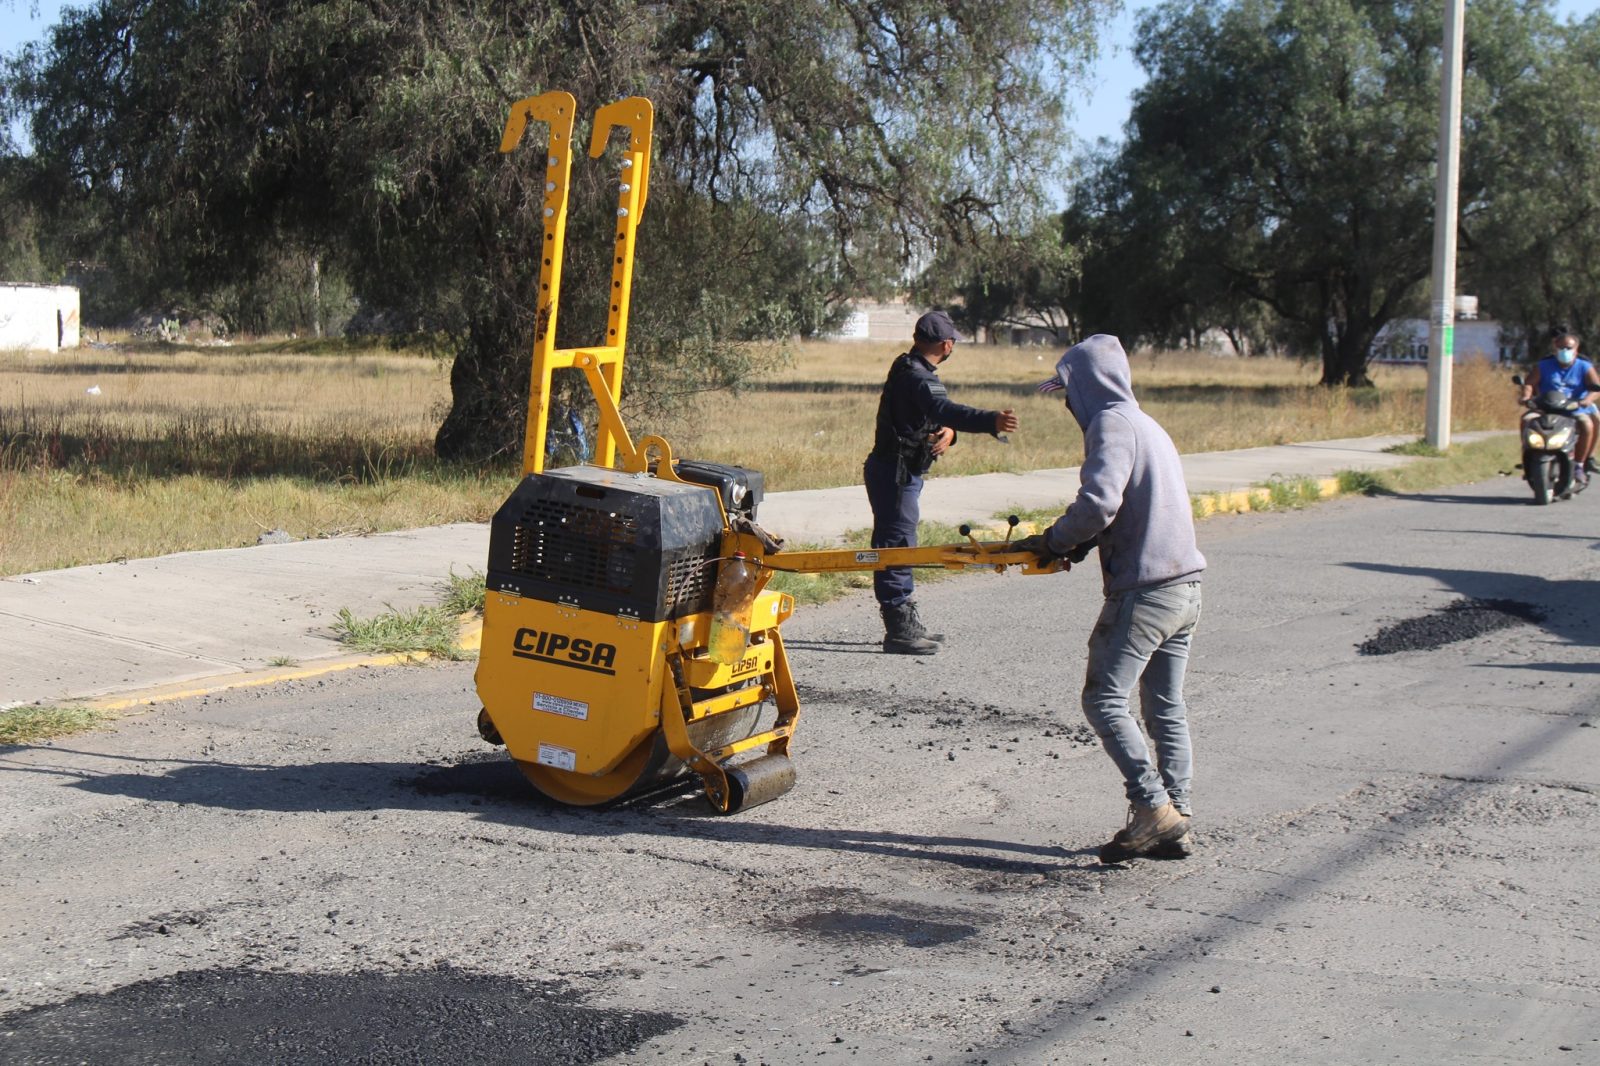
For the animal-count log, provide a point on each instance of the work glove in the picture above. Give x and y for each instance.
(1038, 544)
(1078, 552)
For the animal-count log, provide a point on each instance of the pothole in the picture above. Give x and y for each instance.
(232, 1016)
(912, 932)
(1462, 620)
(913, 924)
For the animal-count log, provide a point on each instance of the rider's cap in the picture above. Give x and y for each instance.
(933, 327)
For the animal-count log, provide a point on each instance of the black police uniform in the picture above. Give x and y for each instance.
(912, 406)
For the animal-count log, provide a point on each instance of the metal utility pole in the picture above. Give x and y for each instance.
(1442, 327)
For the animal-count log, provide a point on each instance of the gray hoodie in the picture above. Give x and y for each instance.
(1133, 494)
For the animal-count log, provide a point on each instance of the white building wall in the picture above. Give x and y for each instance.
(1405, 341)
(39, 317)
(889, 323)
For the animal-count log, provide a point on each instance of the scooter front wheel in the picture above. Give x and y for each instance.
(1539, 473)
(1564, 479)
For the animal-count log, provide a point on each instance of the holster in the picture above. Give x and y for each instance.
(913, 458)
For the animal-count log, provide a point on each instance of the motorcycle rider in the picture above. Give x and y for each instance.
(1562, 371)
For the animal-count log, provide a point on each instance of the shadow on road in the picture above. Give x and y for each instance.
(1509, 500)
(493, 790)
(1514, 534)
(837, 647)
(1549, 668)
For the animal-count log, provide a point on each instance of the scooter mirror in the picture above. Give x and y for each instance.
(1516, 379)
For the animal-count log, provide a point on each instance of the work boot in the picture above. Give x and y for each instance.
(899, 638)
(1154, 832)
(1181, 848)
(917, 627)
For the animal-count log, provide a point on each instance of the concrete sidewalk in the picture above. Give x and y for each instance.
(199, 621)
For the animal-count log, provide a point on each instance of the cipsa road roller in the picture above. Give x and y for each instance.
(628, 634)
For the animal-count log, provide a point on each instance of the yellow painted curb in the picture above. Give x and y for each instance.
(471, 639)
(1239, 501)
(1243, 501)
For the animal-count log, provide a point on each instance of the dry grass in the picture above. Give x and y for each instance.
(204, 448)
(810, 424)
(190, 448)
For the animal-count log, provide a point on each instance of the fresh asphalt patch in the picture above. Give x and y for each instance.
(1461, 620)
(230, 1016)
(483, 775)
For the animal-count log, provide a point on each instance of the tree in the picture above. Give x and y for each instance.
(1006, 280)
(1282, 152)
(21, 257)
(1531, 246)
(217, 133)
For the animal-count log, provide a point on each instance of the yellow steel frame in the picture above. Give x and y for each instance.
(974, 555)
(679, 709)
(601, 363)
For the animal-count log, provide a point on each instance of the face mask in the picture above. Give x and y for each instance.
(1565, 356)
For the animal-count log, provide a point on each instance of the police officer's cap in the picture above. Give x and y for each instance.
(933, 327)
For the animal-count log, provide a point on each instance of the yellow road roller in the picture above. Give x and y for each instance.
(628, 635)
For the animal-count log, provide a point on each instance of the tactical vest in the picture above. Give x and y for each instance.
(911, 452)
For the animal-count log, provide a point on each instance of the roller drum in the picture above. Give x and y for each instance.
(758, 781)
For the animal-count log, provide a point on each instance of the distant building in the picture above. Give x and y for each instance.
(38, 317)
(891, 323)
(1031, 331)
(887, 323)
(1405, 340)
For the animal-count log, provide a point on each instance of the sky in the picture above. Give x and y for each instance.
(1109, 86)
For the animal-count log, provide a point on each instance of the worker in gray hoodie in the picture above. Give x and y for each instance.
(1133, 504)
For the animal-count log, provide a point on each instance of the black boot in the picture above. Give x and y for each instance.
(898, 636)
(918, 628)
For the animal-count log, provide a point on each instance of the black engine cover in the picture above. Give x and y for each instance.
(604, 540)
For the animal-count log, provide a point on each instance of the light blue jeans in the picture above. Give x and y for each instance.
(1142, 637)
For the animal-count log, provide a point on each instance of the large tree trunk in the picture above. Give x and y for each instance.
(1340, 366)
(1347, 346)
(488, 399)
(316, 294)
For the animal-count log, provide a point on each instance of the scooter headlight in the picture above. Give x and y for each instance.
(1533, 438)
(1558, 439)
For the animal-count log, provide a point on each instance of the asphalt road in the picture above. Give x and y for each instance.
(1397, 852)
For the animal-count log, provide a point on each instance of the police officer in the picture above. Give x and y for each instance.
(917, 423)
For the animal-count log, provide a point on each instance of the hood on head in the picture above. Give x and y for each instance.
(1095, 371)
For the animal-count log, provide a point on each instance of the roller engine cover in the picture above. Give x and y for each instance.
(603, 540)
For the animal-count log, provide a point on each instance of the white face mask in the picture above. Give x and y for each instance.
(1565, 356)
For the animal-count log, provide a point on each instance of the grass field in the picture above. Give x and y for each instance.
(810, 424)
(138, 451)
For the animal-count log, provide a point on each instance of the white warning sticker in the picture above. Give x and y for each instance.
(560, 758)
(866, 557)
(543, 701)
